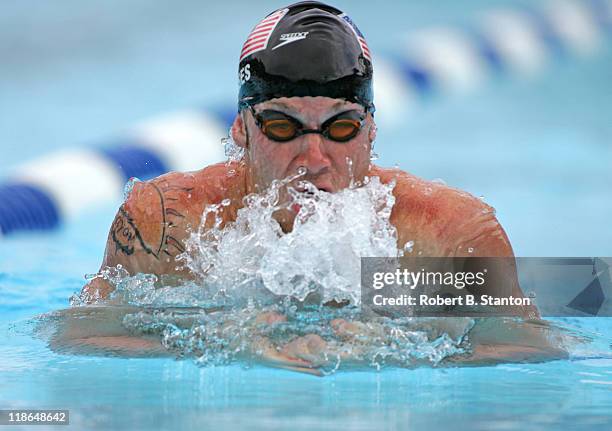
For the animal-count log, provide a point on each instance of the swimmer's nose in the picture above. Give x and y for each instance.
(313, 155)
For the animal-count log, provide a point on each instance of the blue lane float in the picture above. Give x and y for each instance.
(135, 161)
(24, 207)
(42, 194)
(45, 192)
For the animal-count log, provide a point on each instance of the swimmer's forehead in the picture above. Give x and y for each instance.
(300, 105)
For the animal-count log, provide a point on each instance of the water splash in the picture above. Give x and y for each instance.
(409, 247)
(233, 152)
(115, 276)
(319, 259)
(129, 186)
(249, 267)
(222, 338)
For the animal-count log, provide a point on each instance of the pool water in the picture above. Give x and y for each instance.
(162, 393)
(538, 150)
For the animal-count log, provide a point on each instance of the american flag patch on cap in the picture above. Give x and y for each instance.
(258, 39)
(362, 42)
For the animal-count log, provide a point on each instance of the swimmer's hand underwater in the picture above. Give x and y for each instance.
(98, 330)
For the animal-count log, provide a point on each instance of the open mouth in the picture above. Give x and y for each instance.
(310, 190)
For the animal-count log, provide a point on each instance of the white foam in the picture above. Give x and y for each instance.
(320, 255)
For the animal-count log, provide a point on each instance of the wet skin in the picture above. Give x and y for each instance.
(152, 224)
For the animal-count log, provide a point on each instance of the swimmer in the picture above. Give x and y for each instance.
(305, 101)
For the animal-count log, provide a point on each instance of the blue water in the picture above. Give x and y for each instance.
(538, 150)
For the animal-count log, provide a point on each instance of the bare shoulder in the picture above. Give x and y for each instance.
(151, 226)
(158, 215)
(433, 199)
(450, 220)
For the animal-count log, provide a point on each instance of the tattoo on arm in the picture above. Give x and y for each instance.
(127, 237)
(173, 218)
(125, 234)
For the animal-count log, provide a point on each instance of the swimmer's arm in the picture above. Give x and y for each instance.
(492, 354)
(98, 330)
(113, 345)
(122, 248)
(141, 239)
(497, 340)
(481, 235)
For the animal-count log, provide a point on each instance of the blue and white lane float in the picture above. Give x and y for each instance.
(42, 194)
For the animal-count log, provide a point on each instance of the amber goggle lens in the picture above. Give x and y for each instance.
(280, 129)
(343, 129)
(284, 129)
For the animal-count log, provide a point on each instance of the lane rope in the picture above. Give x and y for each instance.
(44, 193)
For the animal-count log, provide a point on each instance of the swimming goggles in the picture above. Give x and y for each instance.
(281, 127)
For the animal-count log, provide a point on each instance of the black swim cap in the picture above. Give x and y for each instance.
(306, 49)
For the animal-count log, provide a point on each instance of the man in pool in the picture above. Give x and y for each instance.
(305, 101)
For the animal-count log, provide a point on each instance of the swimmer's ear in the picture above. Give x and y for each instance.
(239, 131)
